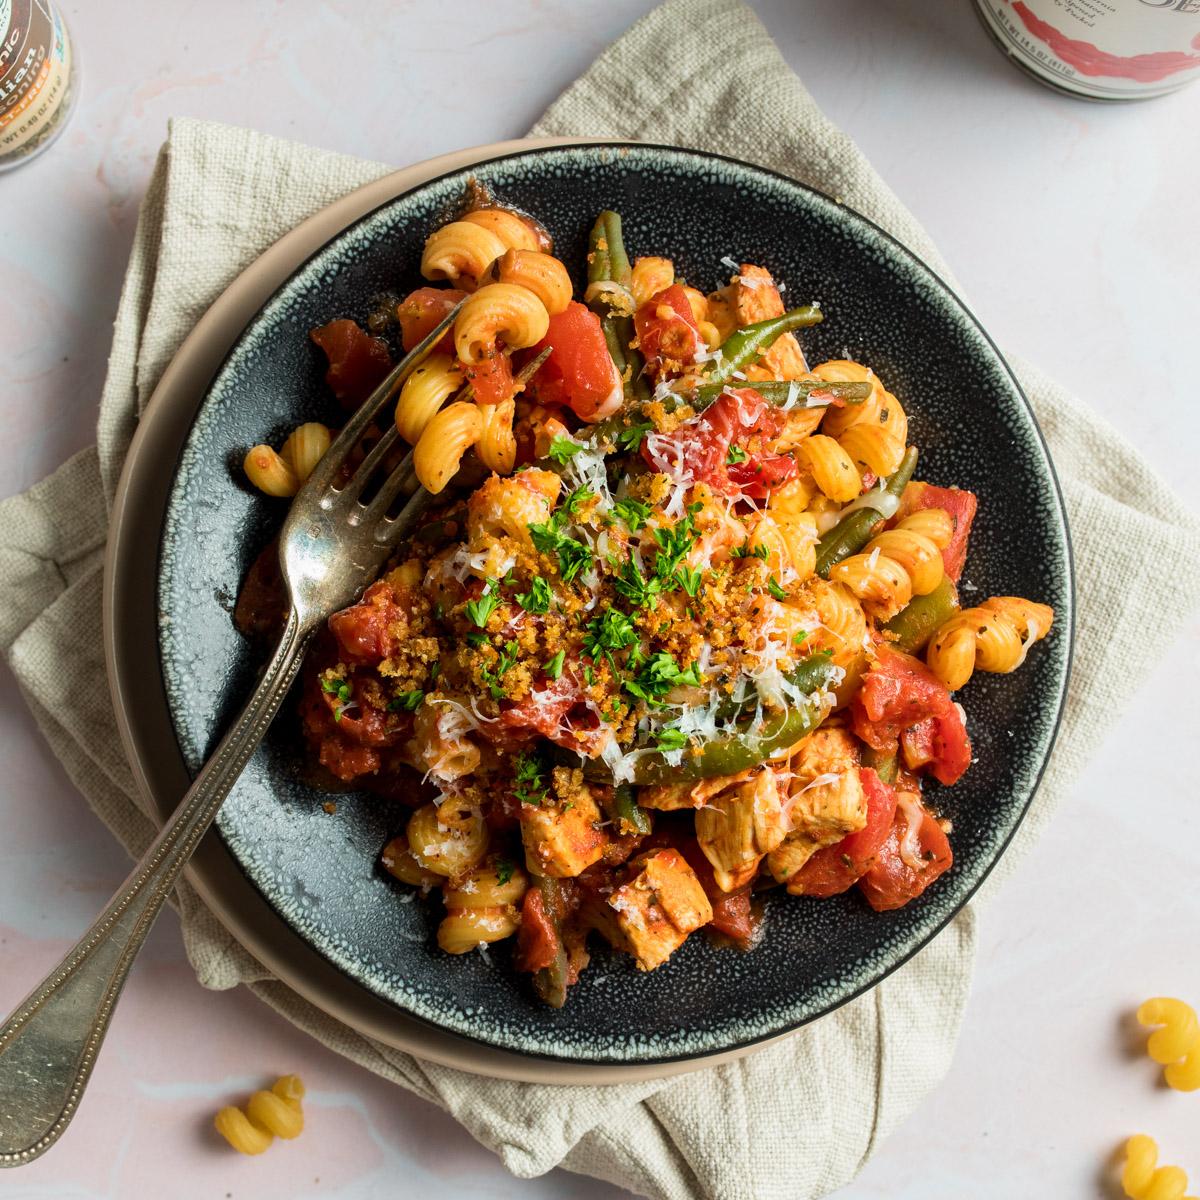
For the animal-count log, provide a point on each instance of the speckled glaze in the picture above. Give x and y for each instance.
(967, 416)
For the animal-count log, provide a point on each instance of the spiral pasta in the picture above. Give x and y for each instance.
(843, 628)
(499, 311)
(497, 446)
(541, 273)
(283, 473)
(423, 394)
(832, 469)
(993, 636)
(267, 1115)
(443, 442)
(460, 252)
(1176, 1045)
(650, 276)
(401, 863)
(448, 839)
(881, 409)
(515, 233)
(872, 447)
(481, 907)
(1143, 1179)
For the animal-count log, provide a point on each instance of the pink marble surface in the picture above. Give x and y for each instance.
(1071, 229)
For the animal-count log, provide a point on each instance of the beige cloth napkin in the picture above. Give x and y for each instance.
(796, 1119)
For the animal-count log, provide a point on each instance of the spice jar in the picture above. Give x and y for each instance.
(37, 79)
(1100, 49)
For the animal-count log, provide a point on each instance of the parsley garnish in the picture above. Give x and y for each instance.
(479, 610)
(735, 454)
(529, 779)
(573, 556)
(631, 438)
(504, 870)
(337, 687)
(506, 662)
(658, 676)
(670, 738)
(554, 668)
(776, 590)
(612, 630)
(476, 639)
(633, 586)
(570, 506)
(746, 551)
(635, 513)
(800, 638)
(562, 450)
(408, 701)
(537, 599)
(689, 579)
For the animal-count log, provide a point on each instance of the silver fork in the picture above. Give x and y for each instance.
(331, 547)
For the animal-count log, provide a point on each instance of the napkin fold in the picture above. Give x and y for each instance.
(799, 1117)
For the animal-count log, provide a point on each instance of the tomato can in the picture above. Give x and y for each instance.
(1100, 49)
(37, 79)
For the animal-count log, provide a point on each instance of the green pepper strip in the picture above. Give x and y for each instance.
(852, 533)
(625, 812)
(884, 763)
(550, 982)
(738, 751)
(916, 622)
(778, 392)
(744, 345)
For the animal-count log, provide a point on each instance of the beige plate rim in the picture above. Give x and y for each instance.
(147, 735)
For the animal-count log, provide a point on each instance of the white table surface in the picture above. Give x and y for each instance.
(1072, 229)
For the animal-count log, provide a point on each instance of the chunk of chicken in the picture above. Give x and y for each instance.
(509, 506)
(652, 913)
(741, 825)
(668, 797)
(825, 799)
(750, 298)
(561, 840)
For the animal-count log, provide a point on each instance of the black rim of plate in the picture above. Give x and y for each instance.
(919, 940)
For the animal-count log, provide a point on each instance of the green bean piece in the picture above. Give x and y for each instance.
(619, 269)
(743, 749)
(779, 392)
(550, 982)
(625, 812)
(920, 618)
(744, 345)
(853, 532)
(599, 263)
(884, 763)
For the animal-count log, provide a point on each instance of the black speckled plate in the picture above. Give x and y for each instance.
(966, 414)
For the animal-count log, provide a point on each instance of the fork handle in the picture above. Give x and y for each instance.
(49, 1044)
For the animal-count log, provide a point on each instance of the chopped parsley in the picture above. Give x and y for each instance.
(635, 513)
(479, 610)
(735, 454)
(612, 630)
(507, 660)
(800, 638)
(631, 439)
(633, 586)
(776, 589)
(504, 870)
(570, 506)
(529, 779)
(670, 738)
(562, 450)
(745, 550)
(573, 557)
(476, 639)
(554, 667)
(407, 701)
(689, 580)
(337, 687)
(658, 675)
(537, 599)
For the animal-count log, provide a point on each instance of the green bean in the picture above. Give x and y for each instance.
(779, 392)
(737, 751)
(744, 345)
(884, 763)
(916, 622)
(853, 532)
(609, 263)
(550, 982)
(625, 812)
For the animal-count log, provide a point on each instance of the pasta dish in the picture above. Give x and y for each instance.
(683, 624)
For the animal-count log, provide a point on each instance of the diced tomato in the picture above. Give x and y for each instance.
(701, 446)
(420, 312)
(580, 373)
(939, 744)
(492, 379)
(959, 504)
(357, 361)
(537, 939)
(891, 882)
(366, 632)
(667, 328)
(732, 914)
(898, 692)
(558, 713)
(836, 869)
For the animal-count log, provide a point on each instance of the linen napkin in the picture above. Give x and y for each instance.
(797, 1118)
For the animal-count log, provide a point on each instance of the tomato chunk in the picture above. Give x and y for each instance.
(537, 939)
(357, 361)
(420, 312)
(897, 692)
(492, 379)
(836, 869)
(939, 744)
(580, 373)
(667, 328)
(909, 860)
(732, 914)
(961, 506)
(367, 632)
